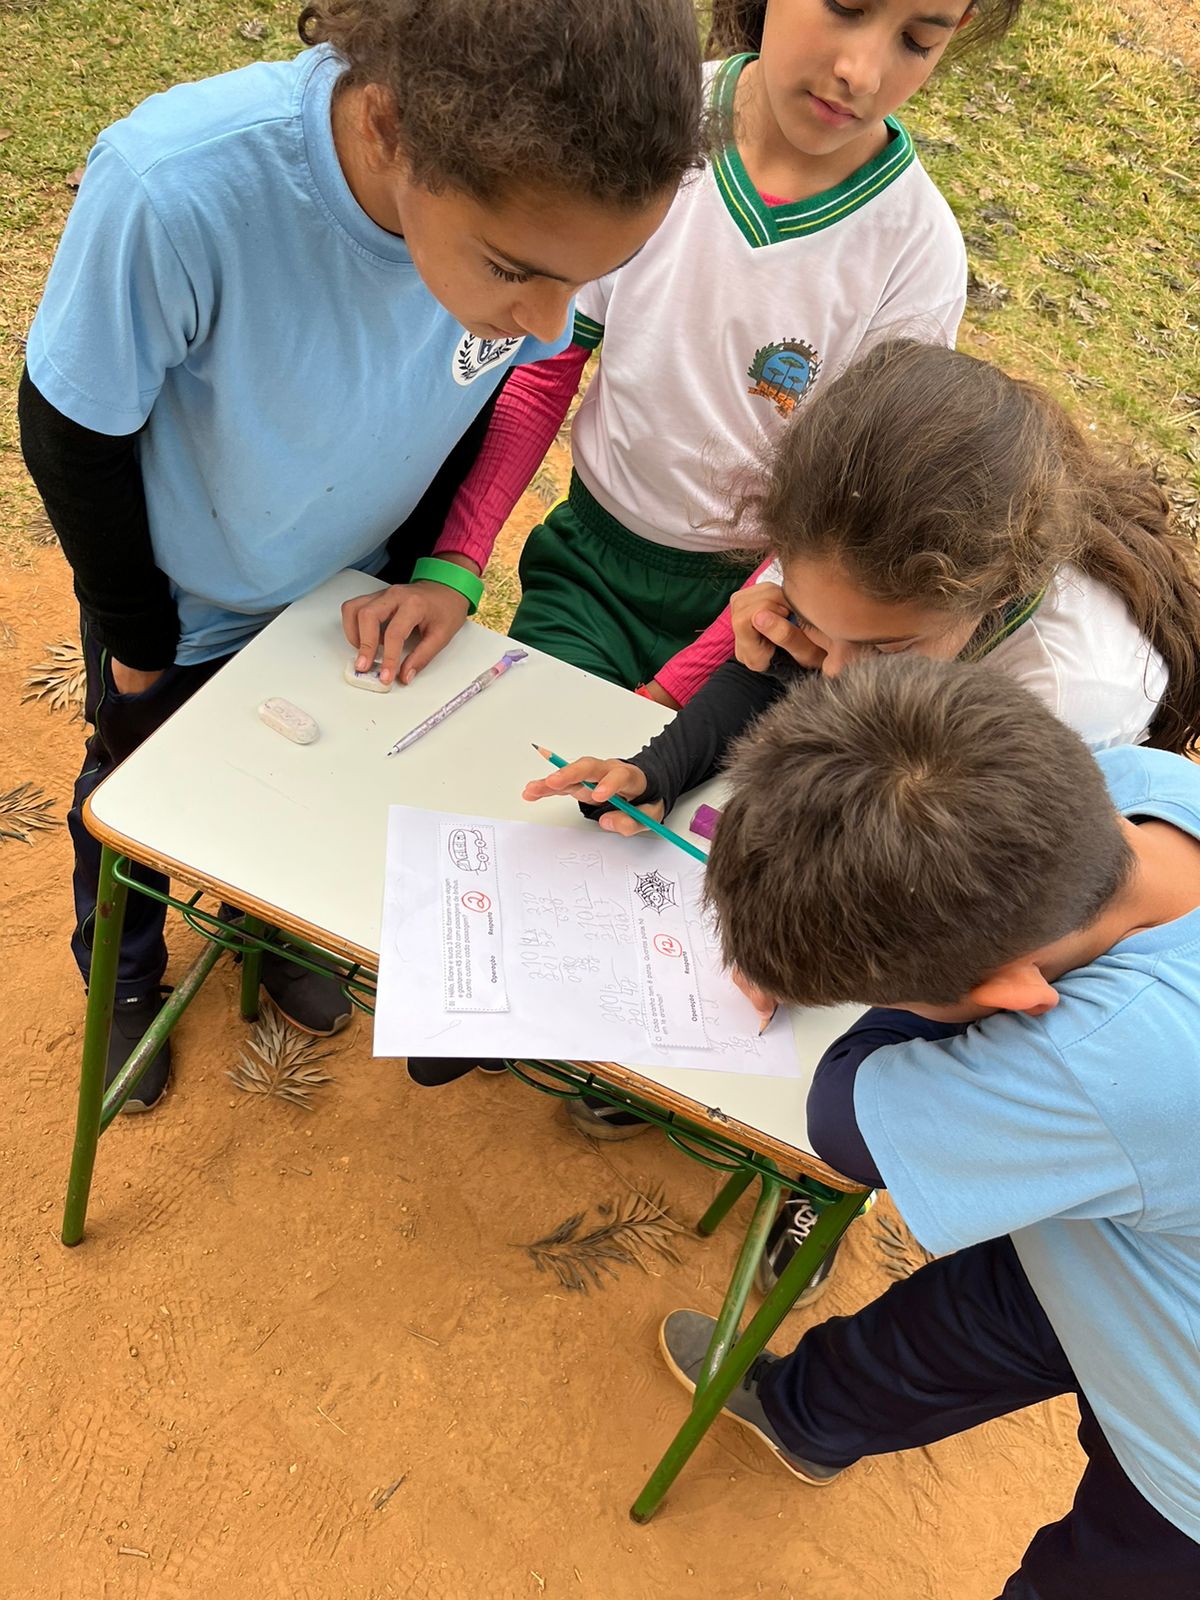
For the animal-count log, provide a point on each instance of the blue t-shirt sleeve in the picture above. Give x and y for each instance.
(987, 1132)
(832, 1124)
(119, 309)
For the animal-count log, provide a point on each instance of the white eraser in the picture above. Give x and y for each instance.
(366, 680)
(289, 720)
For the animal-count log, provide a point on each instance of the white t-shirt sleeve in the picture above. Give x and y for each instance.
(1082, 654)
(119, 308)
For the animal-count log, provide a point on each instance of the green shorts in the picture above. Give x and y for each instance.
(611, 602)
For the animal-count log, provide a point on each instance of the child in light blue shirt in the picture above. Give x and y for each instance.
(931, 840)
(282, 296)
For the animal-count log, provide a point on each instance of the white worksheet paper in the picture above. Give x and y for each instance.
(517, 939)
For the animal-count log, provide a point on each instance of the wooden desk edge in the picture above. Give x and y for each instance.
(789, 1159)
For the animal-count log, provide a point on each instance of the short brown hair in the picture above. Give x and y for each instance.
(935, 478)
(904, 829)
(600, 98)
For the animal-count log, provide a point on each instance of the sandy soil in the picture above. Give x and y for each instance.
(278, 1314)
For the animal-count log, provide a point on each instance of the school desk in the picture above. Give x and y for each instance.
(294, 837)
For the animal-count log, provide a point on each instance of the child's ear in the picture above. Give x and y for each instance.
(967, 16)
(380, 126)
(1020, 986)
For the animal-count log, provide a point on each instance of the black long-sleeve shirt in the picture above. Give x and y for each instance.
(692, 747)
(91, 486)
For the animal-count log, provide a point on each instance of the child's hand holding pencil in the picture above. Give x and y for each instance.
(766, 1005)
(610, 778)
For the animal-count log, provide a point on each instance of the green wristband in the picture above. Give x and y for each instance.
(430, 570)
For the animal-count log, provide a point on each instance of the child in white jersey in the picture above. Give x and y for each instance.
(927, 503)
(813, 230)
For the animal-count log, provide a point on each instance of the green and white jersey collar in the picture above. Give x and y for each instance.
(762, 224)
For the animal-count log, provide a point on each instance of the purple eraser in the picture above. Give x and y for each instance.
(705, 821)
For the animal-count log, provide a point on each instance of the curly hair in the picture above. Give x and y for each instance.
(737, 25)
(599, 99)
(934, 477)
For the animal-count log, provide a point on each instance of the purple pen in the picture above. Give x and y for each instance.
(476, 686)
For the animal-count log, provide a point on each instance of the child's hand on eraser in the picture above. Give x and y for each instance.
(610, 778)
(378, 625)
(762, 622)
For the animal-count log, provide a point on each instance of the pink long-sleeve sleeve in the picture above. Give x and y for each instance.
(693, 666)
(528, 414)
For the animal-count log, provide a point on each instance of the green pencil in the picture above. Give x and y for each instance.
(632, 811)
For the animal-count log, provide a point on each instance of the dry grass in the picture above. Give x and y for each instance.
(1070, 157)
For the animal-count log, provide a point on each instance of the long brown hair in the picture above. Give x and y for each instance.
(936, 478)
(595, 97)
(737, 25)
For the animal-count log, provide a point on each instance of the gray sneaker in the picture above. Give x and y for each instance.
(684, 1338)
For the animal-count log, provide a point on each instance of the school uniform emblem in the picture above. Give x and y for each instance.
(475, 355)
(784, 373)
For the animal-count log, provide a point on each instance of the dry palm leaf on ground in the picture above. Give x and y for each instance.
(25, 810)
(280, 1062)
(635, 1225)
(902, 1254)
(60, 679)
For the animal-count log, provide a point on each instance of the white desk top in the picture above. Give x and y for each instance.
(231, 805)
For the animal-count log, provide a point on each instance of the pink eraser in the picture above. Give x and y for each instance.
(705, 821)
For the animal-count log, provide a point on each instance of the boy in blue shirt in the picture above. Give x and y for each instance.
(930, 840)
(282, 296)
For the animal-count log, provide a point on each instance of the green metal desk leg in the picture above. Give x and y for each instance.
(102, 988)
(740, 1284)
(725, 1201)
(251, 968)
(156, 1035)
(828, 1229)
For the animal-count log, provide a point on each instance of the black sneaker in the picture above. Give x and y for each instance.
(596, 1119)
(131, 1018)
(432, 1071)
(684, 1338)
(791, 1228)
(309, 1001)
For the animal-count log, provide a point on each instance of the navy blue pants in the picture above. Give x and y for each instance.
(963, 1340)
(120, 723)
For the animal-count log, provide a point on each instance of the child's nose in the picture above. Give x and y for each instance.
(860, 64)
(837, 656)
(542, 311)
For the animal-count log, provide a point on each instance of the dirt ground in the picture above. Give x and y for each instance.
(279, 1315)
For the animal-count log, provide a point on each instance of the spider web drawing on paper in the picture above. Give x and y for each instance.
(654, 891)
